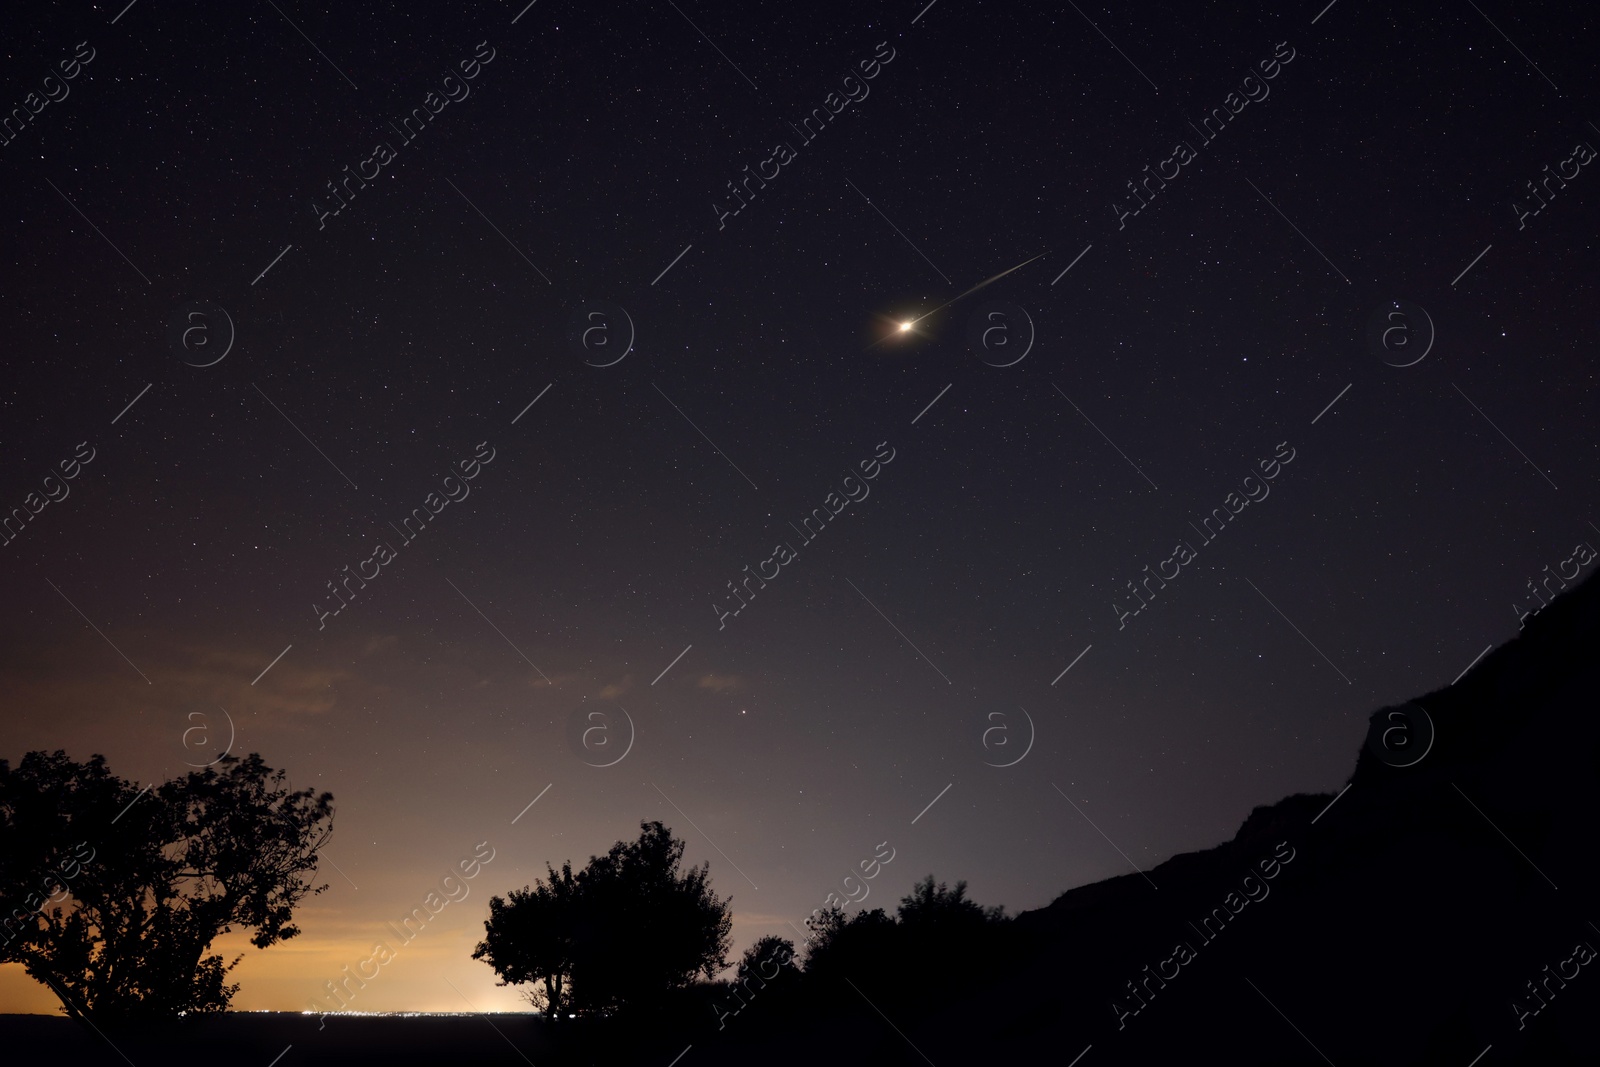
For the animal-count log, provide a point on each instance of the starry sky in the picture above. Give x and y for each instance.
(608, 322)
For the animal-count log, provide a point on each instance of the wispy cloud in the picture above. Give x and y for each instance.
(719, 683)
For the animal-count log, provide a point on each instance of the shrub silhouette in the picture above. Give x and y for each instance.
(151, 879)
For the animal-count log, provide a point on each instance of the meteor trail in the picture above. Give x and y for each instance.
(907, 326)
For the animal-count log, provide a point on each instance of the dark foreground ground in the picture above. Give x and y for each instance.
(254, 1039)
(1444, 908)
(257, 1039)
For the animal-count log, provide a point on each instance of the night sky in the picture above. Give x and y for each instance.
(1336, 322)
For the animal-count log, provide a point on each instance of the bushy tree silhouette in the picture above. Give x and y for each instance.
(767, 959)
(940, 906)
(529, 938)
(942, 931)
(900, 960)
(621, 933)
(838, 945)
(125, 934)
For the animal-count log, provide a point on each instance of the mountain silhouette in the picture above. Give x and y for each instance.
(1436, 908)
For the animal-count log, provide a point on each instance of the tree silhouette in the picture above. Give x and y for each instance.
(942, 931)
(838, 945)
(936, 931)
(529, 936)
(770, 962)
(621, 933)
(124, 934)
(766, 957)
(940, 906)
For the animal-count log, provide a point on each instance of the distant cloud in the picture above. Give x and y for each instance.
(73, 682)
(718, 683)
(616, 689)
(291, 688)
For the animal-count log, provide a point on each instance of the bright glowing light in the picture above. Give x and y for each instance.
(905, 327)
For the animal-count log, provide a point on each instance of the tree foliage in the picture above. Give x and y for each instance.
(627, 929)
(124, 933)
(529, 938)
(936, 930)
(937, 905)
(766, 956)
(839, 945)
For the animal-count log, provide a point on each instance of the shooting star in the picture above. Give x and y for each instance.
(906, 326)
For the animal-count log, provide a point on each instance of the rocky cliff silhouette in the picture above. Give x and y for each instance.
(1444, 903)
